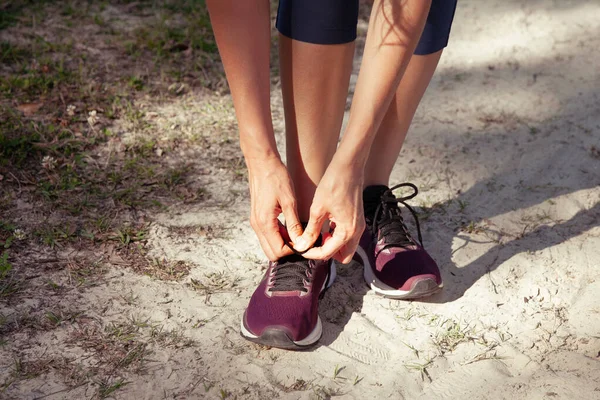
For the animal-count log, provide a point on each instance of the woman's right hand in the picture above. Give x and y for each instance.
(271, 193)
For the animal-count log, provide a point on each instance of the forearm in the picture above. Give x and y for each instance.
(394, 30)
(242, 30)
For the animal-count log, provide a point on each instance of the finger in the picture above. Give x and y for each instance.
(272, 235)
(312, 231)
(264, 244)
(346, 253)
(292, 221)
(327, 250)
(325, 237)
(266, 248)
(273, 254)
(283, 231)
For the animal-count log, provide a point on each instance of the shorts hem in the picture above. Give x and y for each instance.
(426, 48)
(313, 36)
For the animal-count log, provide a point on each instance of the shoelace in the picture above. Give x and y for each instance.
(388, 220)
(290, 274)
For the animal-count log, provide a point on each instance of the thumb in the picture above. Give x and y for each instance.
(292, 224)
(311, 233)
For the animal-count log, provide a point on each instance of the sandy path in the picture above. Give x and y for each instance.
(501, 149)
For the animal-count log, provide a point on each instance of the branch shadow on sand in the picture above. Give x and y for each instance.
(541, 160)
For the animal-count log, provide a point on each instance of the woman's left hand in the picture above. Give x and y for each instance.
(338, 199)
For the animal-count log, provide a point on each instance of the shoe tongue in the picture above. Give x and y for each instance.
(389, 219)
(373, 193)
(397, 238)
(371, 199)
(291, 259)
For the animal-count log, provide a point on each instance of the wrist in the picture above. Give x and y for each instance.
(264, 161)
(258, 148)
(348, 167)
(352, 156)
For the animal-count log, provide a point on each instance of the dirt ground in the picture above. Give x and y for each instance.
(127, 257)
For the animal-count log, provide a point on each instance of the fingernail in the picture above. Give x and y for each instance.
(300, 244)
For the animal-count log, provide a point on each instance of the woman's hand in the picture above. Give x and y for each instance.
(271, 193)
(338, 199)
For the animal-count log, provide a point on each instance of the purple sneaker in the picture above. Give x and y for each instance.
(284, 310)
(395, 265)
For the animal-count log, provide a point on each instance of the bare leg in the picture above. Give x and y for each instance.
(394, 127)
(314, 82)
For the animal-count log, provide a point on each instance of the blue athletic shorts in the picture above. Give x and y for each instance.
(334, 22)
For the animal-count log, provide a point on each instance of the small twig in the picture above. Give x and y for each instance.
(48, 260)
(195, 384)
(17, 179)
(62, 99)
(60, 391)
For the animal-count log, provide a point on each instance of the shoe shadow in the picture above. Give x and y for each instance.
(459, 280)
(341, 301)
(544, 164)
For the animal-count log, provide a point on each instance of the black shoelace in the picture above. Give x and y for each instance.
(387, 218)
(290, 273)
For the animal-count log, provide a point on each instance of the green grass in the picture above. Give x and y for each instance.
(7, 235)
(106, 388)
(11, 54)
(12, 11)
(5, 266)
(421, 368)
(8, 284)
(17, 139)
(164, 38)
(452, 334)
(337, 370)
(30, 82)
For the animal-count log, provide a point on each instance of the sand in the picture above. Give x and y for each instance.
(502, 149)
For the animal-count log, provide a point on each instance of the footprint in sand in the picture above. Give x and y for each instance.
(361, 341)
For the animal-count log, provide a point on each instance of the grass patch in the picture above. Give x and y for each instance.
(108, 386)
(452, 334)
(11, 12)
(85, 163)
(9, 285)
(214, 282)
(421, 368)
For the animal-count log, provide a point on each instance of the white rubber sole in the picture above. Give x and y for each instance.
(420, 288)
(311, 339)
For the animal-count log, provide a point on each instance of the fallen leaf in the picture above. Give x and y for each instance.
(30, 108)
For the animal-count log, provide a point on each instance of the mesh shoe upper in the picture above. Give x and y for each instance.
(287, 297)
